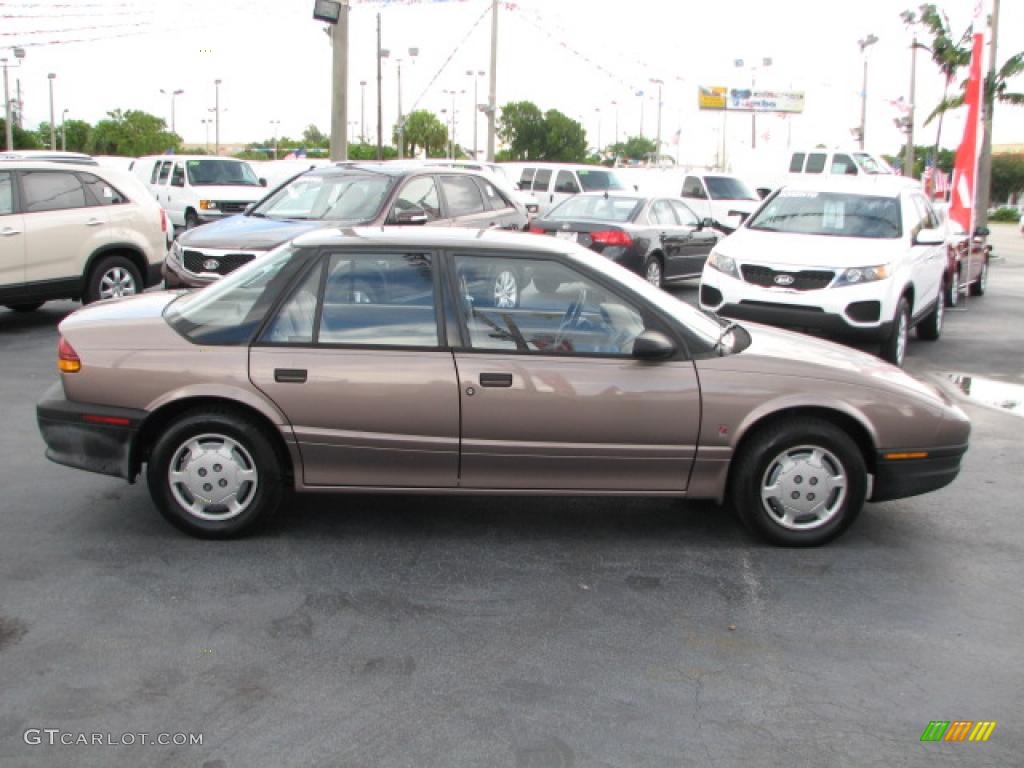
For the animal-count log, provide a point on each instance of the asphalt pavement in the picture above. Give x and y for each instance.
(529, 633)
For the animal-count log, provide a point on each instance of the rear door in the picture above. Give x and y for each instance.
(12, 236)
(697, 244)
(464, 202)
(504, 214)
(354, 359)
(176, 195)
(566, 185)
(541, 189)
(928, 261)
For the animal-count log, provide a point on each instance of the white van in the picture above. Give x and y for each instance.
(551, 183)
(836, 161)
(195, 189)
(725, 199)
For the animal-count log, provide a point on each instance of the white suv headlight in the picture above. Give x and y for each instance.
(724, 264)
(175, 252)
(858, 275)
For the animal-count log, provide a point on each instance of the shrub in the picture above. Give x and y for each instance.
(1011, 215)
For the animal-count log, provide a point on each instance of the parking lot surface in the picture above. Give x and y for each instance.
(408, 631)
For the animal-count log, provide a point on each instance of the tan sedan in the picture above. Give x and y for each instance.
(376, 360)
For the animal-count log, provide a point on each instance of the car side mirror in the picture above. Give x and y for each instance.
(411, 216)
(930, 237)
(982, 232)
(263, 182)
(705, 223)
(653, 345)
(742, 214)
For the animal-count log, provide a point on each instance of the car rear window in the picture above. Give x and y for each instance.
(596, 208)
(728, 188)
(831, 213)
(598, 181)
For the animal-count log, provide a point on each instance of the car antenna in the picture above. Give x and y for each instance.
(606, 194)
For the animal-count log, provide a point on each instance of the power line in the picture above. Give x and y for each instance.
(91, 28)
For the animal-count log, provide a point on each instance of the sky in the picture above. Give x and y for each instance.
(586, 58)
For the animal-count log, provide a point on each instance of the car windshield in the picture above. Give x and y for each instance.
(226, 173)
(596, 208)
(728, 188)
(230, 310)
(830, 213)
(349, 197)
(868, 164)
(598, 181)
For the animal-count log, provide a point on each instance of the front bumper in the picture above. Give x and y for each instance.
(898, 479)
(96, 438)
(176, 276)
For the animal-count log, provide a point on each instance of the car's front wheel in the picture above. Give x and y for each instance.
(112, 278)
(191, 220)
(930, 328)
(214, 474)
(653, 272)
(894, 346)
(979, 286)
(799, 483)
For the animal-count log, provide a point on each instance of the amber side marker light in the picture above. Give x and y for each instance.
(67, 359)
(908, 455)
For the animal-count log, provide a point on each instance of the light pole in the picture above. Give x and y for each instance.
(616, 105)
(765, 62)
(640, 94)
(908, 155)
(53, 129)
(206, 125)
(657, 141)
(864, 44)
(413, 53)
(276, 124)
(381, 54)
(598, 111)
(19, 53)
(475, 74)
(451, 139)
(63, 132)
(172, 94)
(216, 122)
(362, 112)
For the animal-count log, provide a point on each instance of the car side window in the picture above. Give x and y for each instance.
(565, 182)
(796, 163)
(541, 180)
(662, 213)
(493, 198)
(843, 164)
(815, 162)
(156, 171)
(693, 188)
(686, 217)
(101, 192)
(165, 170)
(924, 216)
(178, 175)
(52, 191)
(526, 179)
(570, 316)
(6, 194)
(462, 195)
(420, 192)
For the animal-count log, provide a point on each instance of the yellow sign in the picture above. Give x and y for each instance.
(712, 97)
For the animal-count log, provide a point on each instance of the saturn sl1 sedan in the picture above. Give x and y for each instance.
(367, 360)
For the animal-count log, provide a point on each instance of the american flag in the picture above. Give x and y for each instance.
(934, 180)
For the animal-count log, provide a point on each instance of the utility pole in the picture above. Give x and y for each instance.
(63, 131)
(475, 74)
(362, 112)
(492, 96)
(401, 123)
(983, 191)
(380, 100)
(53, 128)
(908, 153)
(216, 115)
(864, 44)
(9, 128)
(339, 85)
(657, 141)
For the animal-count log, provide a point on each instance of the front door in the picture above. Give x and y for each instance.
(354, 361)
(12, 236)
(696, 241)
(552, 397)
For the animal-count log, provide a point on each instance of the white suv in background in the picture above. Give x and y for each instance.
(79, 232)
(859, 258)
(725, 199)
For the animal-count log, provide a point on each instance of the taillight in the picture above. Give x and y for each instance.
(537, 230)
(611, 237)
(163, 220)
(67, 359)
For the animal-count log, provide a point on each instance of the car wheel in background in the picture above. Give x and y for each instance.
(112, 277)
(799, 483)
(30, 306)
(652, 271)
(505, 287)
(214, 475)
(979, 286)
(894, 348)
(191, 220)
(953, 289)
(930, 328)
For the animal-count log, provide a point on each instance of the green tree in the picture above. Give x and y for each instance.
(313, 137)
(565, 140)
(945, 158)
(1007, 177)
(132, 134)
(22, 139)
(521, 126)
(634, 148)
(423, 130)
(77, 132)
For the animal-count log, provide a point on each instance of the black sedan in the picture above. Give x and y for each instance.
(659, 238)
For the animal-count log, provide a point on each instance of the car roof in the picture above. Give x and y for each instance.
(54, 156)
(392, 168)
(29, 164)
(879, 185)
(430, 238)
(193, 157)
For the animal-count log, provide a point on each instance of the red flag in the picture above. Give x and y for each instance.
(965, 171)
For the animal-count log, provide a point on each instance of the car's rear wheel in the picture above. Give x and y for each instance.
(653, 272)
(30, 306)
(894, 347)
(191, 220)
(979, 286)
(953, 289)
(214, 475)
(112, 278)
(930, 328)
(798, 483)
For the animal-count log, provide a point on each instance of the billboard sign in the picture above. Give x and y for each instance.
(749, 100)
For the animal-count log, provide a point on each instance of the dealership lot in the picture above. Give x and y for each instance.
(409, 631)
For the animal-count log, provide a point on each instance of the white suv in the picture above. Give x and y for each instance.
(860, 258)
(75, 231)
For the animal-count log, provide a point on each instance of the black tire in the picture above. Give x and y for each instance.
(757, 468)
(113, 277)
(191, 220)
(654, 271)
(30, 306)
(546, 284)
(953, 289)
(217, 429)
(930, 328)
(893, 349)
(979, 286)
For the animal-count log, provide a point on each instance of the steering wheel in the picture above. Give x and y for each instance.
(571, 318)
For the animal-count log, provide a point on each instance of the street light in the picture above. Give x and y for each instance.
(382, 53)
(475, 74)
(765, 62)
(216, 124)
(206, 125)
(19, 53)
(616, 105)
(172, 94)
(657, 141)
(413, 53)
(63, 132)
(276, 124)
(598, 110)
(362, 112)
(451, 139)
(53, 129)
(864, 44)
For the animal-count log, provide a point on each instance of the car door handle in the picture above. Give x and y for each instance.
(93, 222)
(290, 375)
(495, 379)
(9, 232)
